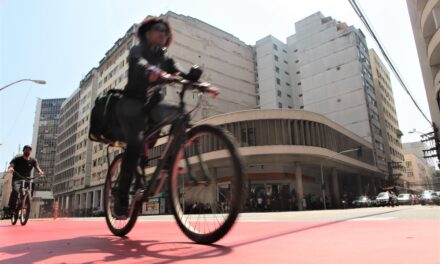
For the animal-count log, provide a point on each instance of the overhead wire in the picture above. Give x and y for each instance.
(370, 29)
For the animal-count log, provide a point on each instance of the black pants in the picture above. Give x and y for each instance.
(131, 114)
(16, 186)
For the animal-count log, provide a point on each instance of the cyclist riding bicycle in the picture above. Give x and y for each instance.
(148, 66)
(23, 165)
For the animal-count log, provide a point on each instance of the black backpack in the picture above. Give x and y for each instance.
(104, 124)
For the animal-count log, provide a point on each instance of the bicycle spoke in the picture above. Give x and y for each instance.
(204, 199)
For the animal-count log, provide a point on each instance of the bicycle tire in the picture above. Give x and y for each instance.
(213, 201)
(14, 216)
(125, 225)
(25, 211)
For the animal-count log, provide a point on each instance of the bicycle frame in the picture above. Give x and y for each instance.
(179, 125)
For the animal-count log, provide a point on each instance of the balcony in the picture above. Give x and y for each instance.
(427, 23)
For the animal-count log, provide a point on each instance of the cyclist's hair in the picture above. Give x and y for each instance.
(148, 23)
(27, 147)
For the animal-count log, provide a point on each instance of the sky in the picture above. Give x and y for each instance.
(61, 41)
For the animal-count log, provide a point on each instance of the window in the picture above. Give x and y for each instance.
(287, 73)
(288, 95)
(248, 137)
(301, 107)
(288, 84)
(285, 51)
(285, 62)
(277, 69)
(298, 72)
(279, 93)
(296, 61)
(300, 95)
(278, 81)
(280, 105)
(299, 83)
(275, 57)
(275, 47)
(296, 50)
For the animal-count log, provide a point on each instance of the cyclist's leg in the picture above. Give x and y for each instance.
(130, 116)
(14, 195)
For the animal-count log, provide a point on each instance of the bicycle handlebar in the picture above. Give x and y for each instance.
(203, 87)
(22, 177)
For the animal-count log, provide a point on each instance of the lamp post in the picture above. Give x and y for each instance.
(22, 80)
(322, 173)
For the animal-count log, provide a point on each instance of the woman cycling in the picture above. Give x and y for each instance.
(148, 65)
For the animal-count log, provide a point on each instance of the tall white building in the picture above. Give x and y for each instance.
(274, 87)
(331, 75)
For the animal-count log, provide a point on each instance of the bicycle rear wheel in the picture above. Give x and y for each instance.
(117, 225)
(207, 184)
(25, 211)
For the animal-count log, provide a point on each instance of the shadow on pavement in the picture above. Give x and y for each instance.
(308, 228)
(112, 248)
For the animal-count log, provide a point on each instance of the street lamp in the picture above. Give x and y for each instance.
(322, 173)
(30, 80)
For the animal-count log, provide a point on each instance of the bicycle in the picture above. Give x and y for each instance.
(23, 205)
(203, 168)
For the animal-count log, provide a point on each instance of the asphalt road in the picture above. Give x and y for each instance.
(404, 234)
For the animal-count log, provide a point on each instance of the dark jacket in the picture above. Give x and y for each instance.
(139, 59)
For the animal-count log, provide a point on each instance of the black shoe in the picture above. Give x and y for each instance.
(121, 205)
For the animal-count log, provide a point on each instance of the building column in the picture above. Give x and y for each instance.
(335, 185)
(299, 186)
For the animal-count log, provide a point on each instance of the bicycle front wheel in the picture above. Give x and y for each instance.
(117, 225)
(25, 210)
(14, 216)
(207, 184)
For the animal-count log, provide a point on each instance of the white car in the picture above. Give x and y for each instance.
(383, 199)
(405, 198)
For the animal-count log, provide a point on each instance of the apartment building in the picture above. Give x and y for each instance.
(66, 146)
(391, 133)
(331, 75)
(418, 175)
(44, 139)
(273, 88)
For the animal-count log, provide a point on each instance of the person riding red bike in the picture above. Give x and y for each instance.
(23, 165)
(148, 66)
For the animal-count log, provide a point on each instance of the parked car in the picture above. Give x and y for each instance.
(405, 198)
(386, 198)
(429, 197)
(361, 201)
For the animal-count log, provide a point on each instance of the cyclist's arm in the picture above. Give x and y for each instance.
(139, 68)
(37, 167)
(11, 165)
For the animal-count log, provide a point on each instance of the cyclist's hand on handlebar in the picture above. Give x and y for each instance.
(154, 73)
(41, 173)
(11, 170)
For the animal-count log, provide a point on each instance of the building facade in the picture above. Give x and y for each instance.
(425, 21)
(273, 88)
(284, 150)
(63, 182)
(391, 133)
(331, 75)
(418, 174)
(44, 139)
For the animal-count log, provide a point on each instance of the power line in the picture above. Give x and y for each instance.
(363, 18)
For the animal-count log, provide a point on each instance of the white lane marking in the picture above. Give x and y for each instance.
(372, 219)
